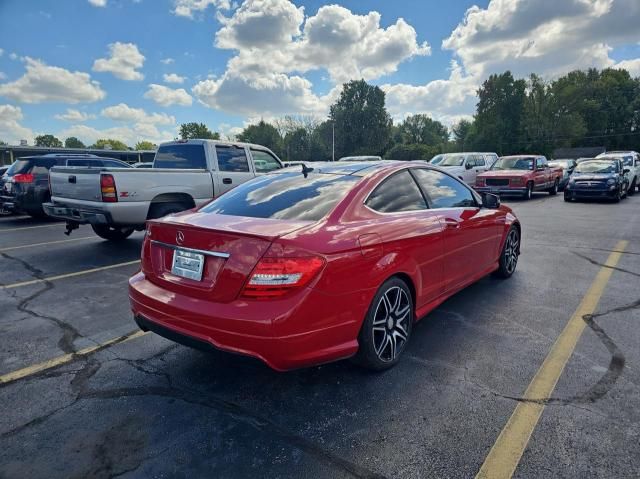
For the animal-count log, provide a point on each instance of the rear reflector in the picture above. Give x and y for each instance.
(108, 189)
(23, 178)
(275, 277)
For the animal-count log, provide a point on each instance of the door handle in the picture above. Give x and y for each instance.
(72, 179)
(453, 224)
(227, 181)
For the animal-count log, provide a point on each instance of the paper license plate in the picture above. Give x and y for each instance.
(187, 264)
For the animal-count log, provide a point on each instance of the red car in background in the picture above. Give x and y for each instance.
(520, 175)
(304, 267)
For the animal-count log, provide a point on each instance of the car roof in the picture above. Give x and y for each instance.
(198, 141)
(359, 168)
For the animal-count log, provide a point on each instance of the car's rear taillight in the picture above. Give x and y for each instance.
(108, 189)
(23, 178)
(275, 277)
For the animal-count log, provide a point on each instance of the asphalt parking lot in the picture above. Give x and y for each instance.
(86, 395)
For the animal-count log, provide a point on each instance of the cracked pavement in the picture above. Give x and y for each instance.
(151, 408)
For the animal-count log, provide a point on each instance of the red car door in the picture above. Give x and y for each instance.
(471, 232)
(542, 173)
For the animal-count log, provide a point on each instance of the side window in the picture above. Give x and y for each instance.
(113, 164)
(82, 163)
(479, 160)
(444, 191)
(542, 162)
(264, 162)
(397, 193)
(231, 158)
(471, 161)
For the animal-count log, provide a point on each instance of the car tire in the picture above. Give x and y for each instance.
(160, 210)
(618, 196)
(387, 327)
(37, 214)
(632, 188)
(112, 233)
(509, 254)
(554, 189)
(567, 198)
(529, 193)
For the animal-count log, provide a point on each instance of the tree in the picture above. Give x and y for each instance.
(193, 130)
(145, 145)
(48, 141)
(362, 123)
(73, 142)
(423, 129)
(109, 144)
(461, 134)
(499, 113)
(263, 133)
(412, 152)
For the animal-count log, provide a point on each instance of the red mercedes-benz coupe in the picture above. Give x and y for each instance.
(304, 267)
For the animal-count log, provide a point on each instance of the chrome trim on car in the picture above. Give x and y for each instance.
(215, 254)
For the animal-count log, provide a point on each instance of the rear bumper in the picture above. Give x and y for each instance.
(8, 204)
(80, 215)
(502, 190)
(305, 330)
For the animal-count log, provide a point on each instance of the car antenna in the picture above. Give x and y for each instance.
(306, 170)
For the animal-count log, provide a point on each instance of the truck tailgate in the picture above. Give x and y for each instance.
(75, 183)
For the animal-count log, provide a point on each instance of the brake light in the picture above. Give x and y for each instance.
(275, 277)
(108, 189)
(23, 178)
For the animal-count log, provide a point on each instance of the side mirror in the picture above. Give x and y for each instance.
(626, 170)
(468, 166)
(490, 201)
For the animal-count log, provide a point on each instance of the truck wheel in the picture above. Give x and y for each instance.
(529, 193)
(112, 233)
(159, 210)
(554, 189)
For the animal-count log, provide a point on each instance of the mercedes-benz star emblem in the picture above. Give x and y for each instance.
(179, 237)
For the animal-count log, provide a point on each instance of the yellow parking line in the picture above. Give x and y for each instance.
(11, 248)
(68, 275)
(505, 454)
(66, 358)
(4, 230)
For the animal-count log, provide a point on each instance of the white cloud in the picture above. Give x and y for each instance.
(130, 135)
(275, 46)
(11, 130)
(124, 113)
(124, 61)
(13, 56)
(98, 3)
(74, 116)
(3, 76)
(1, 52)
(632, 66)
(167, 61)
(44, 83)
(186, 8)
(173, 78)
(166, 96)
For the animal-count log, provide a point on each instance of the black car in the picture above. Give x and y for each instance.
(598, 178)
(25, 185)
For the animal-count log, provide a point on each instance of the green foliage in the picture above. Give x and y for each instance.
(412, 152)
(422, 129)
(73, 142)
(48, 141)
(193, 130)
(145, 145)
(362, 123)
(109, 144)
(462, 133)
(264, 134)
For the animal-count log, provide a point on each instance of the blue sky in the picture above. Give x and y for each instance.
(98, 68)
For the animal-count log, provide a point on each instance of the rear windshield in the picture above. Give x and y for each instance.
(32, 165)
(286, 196)
(185, 156)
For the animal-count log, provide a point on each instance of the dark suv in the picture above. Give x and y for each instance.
(25, 185)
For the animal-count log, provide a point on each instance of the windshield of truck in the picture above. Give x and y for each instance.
(452, 160)
(597, 167)
(185, 156)
(514, 163)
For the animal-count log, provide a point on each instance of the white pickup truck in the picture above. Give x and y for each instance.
(185, 174)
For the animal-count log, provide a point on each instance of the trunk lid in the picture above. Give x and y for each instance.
(244, 240)
(76, 183)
